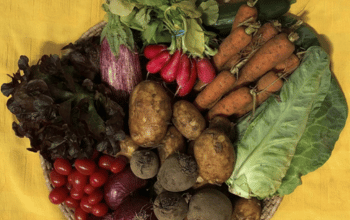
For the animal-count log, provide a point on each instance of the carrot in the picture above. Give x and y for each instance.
(267, 57)
(246, 12)
(213, 92)
(234, 103)
(243, 100)
(263, 34)
(287, 66)
(232, 44)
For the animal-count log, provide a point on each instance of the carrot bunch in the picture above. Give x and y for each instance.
(251, 65)
(179, 67)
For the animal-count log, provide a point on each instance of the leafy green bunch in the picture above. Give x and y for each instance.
(179, 22)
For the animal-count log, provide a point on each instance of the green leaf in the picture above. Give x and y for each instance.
(138, 19)
(266, 149)
(121, 7)
(153, 2)
(316, 145)
(189, 8)
(210, 12)
(194, 38)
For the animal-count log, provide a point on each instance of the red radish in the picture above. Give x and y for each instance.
(156, 64)
(206, 70)
(169, 71)
(153, 50)
(182, 91)
(119, 186)
(183, 72)
(135, 208)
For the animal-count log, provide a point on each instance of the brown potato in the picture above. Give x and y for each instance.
(215, 156)
(172, 142)
(188, 120)
(247, 209)
(149, 113)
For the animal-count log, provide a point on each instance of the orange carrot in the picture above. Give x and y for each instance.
(263, 34)
(287, 66)
(234, 103)
(241, 101)
(246, 12)
(267, 57)
(213, 92)
(232, 44)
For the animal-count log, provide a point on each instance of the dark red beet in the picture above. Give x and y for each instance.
(119, 186)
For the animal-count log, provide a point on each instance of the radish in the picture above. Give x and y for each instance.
(206, 71)
(156, 64)
(168, 72)
(153, 50)
(119, 186)
(183, 72)
(182, 91)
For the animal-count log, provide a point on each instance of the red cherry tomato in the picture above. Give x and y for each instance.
(100, 209)
(99, 178)
(57, 179)
(79, 180)
(85, 166)
(88, 189)
(71, 175)
(62, 166)
(80, 214)
(105, 162)
(119, 163)
(85, 205)
(95, 155)
(72, 203)
(95, 197)
(77, 194)
(58, 195)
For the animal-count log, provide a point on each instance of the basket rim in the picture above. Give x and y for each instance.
(269, 205)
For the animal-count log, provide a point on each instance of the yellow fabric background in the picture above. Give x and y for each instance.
(37, 27)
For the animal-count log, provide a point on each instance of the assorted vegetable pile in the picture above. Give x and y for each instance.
(181, 109)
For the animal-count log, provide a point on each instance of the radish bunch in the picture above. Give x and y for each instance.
(178, 66)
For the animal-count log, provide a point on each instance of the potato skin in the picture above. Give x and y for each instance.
(188, 119)
(149, 113)
(247, 209)
(215, 156)
(172, 142)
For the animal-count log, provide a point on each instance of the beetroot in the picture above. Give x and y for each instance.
(119, 186)
(121, 72)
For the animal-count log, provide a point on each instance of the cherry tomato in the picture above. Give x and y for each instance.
(58, 195)
(80, 214)
(99, 178)
(85, 205)
(62, 166)
(105, 162)
(95, 197)
(71, 175)
(95, 155)
(85, 166)
(77, 194)
(119, 163)
(100, 209)
(72, 203)
(88, 189)
(79, 180)
(57, 179)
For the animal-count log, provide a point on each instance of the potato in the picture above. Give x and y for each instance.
(188, 120)
(144, 164)
(178, 173)
(172, 142)
(215, 156)
(170, 206)
(209, 204)
(149, 113)
(247, 209)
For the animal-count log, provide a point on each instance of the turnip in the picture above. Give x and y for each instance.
(119, 186)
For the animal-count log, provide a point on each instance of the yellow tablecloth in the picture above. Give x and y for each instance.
(37, 27)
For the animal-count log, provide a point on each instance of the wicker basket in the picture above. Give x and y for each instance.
(269, 206)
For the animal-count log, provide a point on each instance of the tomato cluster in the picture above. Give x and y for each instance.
(179, 67)
(80, 185)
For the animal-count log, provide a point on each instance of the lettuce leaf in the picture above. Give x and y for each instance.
(265, 151)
